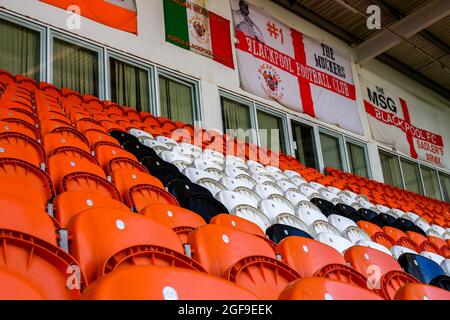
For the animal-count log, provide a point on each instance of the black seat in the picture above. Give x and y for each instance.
(442, 281)
(383, 220)
(207, 207)
(348, 212)
(139, 150)
(182, 190)
(164, 171)
(278, 232)
(325, 206)
(367, 214)
(420, 267)
(123, 137)
(407, 225)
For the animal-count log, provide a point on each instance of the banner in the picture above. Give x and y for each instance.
(306, 75)
(392, 122)
(194, 28)
(118, 14)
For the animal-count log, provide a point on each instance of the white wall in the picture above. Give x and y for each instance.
(150, 45)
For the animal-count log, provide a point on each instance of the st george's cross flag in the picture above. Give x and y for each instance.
(304, 74)
(192, 27)
(118, 14)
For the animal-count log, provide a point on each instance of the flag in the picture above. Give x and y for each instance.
(304, 74)
(194, 28)
(118, 14)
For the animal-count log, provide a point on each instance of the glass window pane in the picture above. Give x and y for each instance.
(445, 183)
(331, 151)
(357, 160)
(19, 50)
(236, 119)
(129, 85)
(75, 68)
(306, 149)
(176, 100)
(391, 170)
(430, 181)
(411, 176)
(271, 132)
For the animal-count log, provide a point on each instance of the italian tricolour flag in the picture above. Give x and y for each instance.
(194, 28)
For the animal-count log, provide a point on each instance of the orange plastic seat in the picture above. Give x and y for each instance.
(438, 242)
(161, 283)
(48, 126)
(95, 137)
(415, 291)
(104, 240)
(384, 273)
(126, 178)
(19, 126)
(422, 242)
(15, 113)
(242, 224)
(24, 173)
(64, 139)
(401, 238)
(106, 151)
(74, 171)
(22, 147)
(142, 195)
(313, 258)
(87, 124)
(124, 163)
(180, 220)
(376, 233)
(242, 258)
(325, 289)
(68, 204)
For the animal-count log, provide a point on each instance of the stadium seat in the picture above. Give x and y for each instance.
(234, 221)
(278, 232)
(104, 240)
(21, 147)
(414, 291)
(180, 220)
(54, 141)
(242, 258)
(325, 289)
(126, 178)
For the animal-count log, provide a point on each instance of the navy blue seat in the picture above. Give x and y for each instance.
(325, 206)
(182, 190)
(207, 207)
(367, 214)
(123, 137)
(164, 171)
(383, 220)
(347, 211)
(139, 150)
(278, 232)
(407, 225)
(420, 267)
(442, 282)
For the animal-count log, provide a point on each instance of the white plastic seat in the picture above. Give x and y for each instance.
(195, 174)
(398, 213)
(156, 145)
(253, 163)
(374, 245)
(439, 230)
(272, 209)
(140, 134)
(191, 149)
(383, 209)
(317, 186)
(231, 199)
(233, 160)
(273, 169)
(248, 193)
(355, 234)
(328, 195)
(292, 174)
(295, 197)
(213, 156)
(252, 214)
(171, 156)
(320, 226)
(446, 235)
(281, 199)
(286, 185)
(262, 178)
(332, 240)
(298, 181)
(341, 223)
(309, 215)
(446, 266)
(202, 164)
(347, 199)
(397, 251)
(232, 183)
(212, 185)
(258, 170)
(308, 191)
(411, 216)
(249, 180)
(216, 173)
(233, 172)
(265, 191)
(367, 205)
(334, 190)
(433, 233)
(279, 176)
(167, 141)
(433, 256)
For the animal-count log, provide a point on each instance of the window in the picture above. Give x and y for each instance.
(430, 182)
(271, 132)
(411, 176)
(445, 183)
(19, 50)
(304, 145)
(236, 116)
(75, 68)
(391, 169)
(176, 100)
(357, 160)
(331, 151)
(129, 85)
